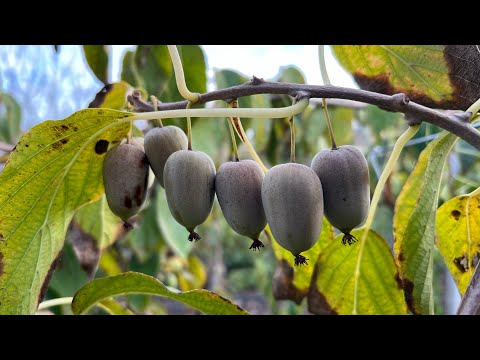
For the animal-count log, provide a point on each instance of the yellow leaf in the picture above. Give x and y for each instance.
(458, 237)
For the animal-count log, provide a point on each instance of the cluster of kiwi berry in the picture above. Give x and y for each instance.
(292, 198)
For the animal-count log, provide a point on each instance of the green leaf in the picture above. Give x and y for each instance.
(290, 74)
(433, 75)
(113, 308)
(414, 223)
(458, 237)
(193, 276)
(55, 168)
(333, 284)
(151, 68)
(98, 221)
(112, 96)
(68, 276)
(10, 117)
(172, 232)
(137, 283)
(292, 282)
(97, 59)
(129, 70)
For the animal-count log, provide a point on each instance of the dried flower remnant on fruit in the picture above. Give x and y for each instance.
(348, 239)
(194, 236)
(300, 260)
(256, 245)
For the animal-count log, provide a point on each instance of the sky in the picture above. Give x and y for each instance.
(51, 85)
(261, 60)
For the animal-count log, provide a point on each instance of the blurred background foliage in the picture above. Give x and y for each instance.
(44, 82)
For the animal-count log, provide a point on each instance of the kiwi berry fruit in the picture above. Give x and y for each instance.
(160, 143)
(238, 185)
(125, 176)
(189, 180)
(344, 175)
(293, 202)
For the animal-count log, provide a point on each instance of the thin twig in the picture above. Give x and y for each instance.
(454, 122)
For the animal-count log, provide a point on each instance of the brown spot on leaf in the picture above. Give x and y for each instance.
(44, 288)
(127, 202)
(61, 129)
(398, 281)
(64, 141)
(408, 291)
(456, 214)
(85, 248)
(317, 303)
(57, 145)
(461, 263)
(283, 288)
(400, 256)
(381, 84)
(101, 146)
(464, 71)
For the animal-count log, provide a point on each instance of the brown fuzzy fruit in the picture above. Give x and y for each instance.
(125, 176)
(160, 143)
(346, 187)
(238, 185)
(189, 179)
(293, 203)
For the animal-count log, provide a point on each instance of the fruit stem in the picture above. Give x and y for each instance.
(55, 302)
(292, 136)
(322, 65)
(180, 75)
(189, 127)
(329, 125)
(232, 134)
(243, 136)
(156, 122)
(392, 160)
(326, 81)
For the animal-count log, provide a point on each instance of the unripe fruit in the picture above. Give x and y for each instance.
(189, 180)
(238, 185)
(344, 175)
(160, 143)
(125, 176)
(293, 203)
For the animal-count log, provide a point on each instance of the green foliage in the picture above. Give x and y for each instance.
(10, 117)
(432, 75)
(52, 198)
(414, 224)
(97, 59)
(295, 287)
(54, 170)
(137, 283)
(336, 289)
